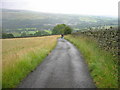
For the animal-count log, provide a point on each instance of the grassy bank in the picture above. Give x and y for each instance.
(22, 55)
(101, 63)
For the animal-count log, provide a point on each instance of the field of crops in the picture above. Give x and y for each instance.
(21, 55)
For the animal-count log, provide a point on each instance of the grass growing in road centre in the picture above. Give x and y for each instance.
(22, 55)
(101, 63)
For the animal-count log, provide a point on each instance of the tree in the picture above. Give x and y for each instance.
(10, 35)
(111, 27)
(61, 29)
(5, 35)
(67, 30)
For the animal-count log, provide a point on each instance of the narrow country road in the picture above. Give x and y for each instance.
(63, 68)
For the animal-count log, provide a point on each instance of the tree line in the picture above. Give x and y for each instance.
(58, 29)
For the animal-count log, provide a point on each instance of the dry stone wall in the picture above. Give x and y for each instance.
(107, 38)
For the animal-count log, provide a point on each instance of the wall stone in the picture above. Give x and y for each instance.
(107, 38)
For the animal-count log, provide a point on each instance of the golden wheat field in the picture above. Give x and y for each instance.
(25, 50)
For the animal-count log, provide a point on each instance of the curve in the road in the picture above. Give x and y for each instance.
(63, 68)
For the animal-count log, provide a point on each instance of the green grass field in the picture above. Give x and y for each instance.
(22, 55)
(101, 63)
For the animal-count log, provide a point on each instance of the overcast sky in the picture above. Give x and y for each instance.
(85, 7)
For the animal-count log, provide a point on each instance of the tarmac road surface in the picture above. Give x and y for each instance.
(64, 67)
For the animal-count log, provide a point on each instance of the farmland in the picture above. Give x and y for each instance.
(22, 55)
(96, 37)
(18, 22)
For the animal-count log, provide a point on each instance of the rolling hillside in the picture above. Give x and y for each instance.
(21, 20)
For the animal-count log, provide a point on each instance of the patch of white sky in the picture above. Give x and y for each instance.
(84, 7)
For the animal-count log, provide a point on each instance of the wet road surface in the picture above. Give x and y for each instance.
(63, 68)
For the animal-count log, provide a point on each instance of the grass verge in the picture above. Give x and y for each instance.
(101, 63)
(21, 56)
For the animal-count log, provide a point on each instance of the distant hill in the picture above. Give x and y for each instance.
(17, 20)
